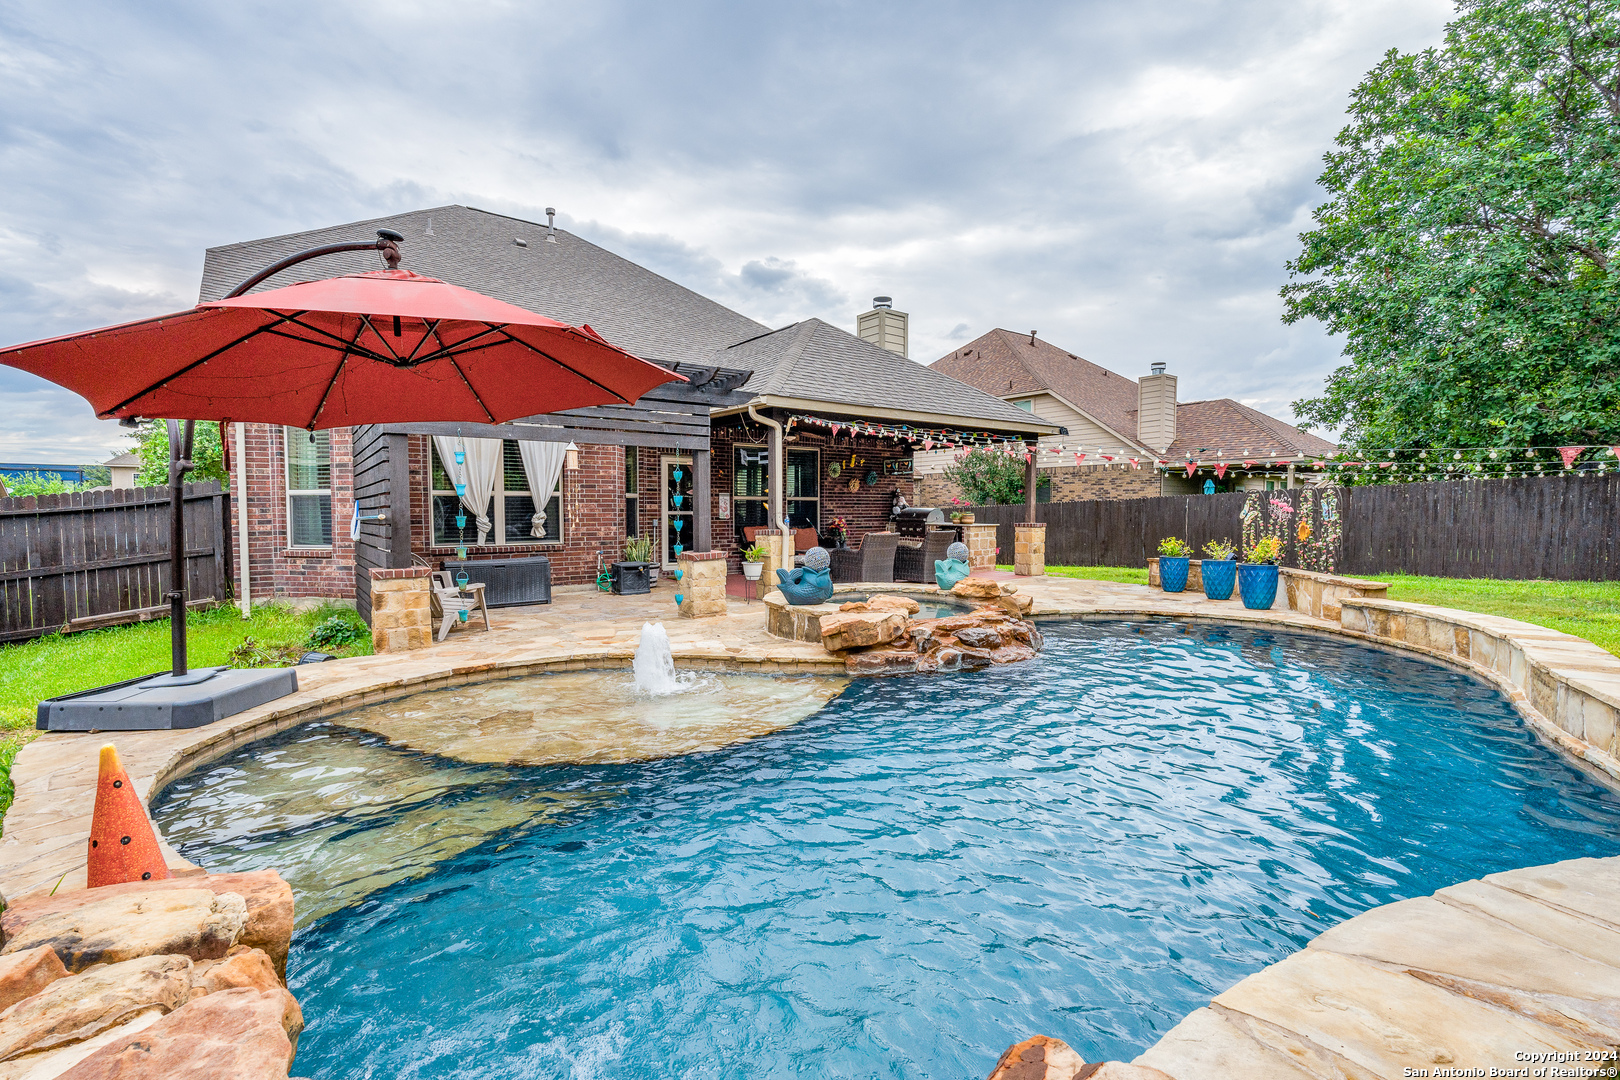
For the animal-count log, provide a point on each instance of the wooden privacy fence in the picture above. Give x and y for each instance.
(1564, 528)
(98, 558)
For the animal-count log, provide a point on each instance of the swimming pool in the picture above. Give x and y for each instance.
(927, 869)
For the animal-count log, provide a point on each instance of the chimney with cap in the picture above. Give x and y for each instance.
(883, 326)
(1156, 409)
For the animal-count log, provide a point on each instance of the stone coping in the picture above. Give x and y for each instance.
(1567, 688)
(1524, 961)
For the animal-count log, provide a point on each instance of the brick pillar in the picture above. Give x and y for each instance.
(401, 615)
(702, 584)
(980, 538)
(1029, 549)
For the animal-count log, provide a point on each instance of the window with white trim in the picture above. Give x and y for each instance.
(511, 506)
(309, 487)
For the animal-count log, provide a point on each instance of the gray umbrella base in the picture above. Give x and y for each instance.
(162, 702)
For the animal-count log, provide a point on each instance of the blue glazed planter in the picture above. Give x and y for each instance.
(1173, 573)
(1258, 584)
(1219, 577)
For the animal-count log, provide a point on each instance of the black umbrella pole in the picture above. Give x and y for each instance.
(179, 465)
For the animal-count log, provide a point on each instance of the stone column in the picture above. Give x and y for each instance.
(702, 584)
(401, 609)
(1029, 549)
(773, 558)
(980, 538)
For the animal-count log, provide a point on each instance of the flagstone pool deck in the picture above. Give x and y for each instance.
(1524, 962)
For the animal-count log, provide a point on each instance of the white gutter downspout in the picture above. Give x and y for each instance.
(242, 589)
(775, 481)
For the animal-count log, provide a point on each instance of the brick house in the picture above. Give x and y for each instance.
(689, 464)
(1109, 420)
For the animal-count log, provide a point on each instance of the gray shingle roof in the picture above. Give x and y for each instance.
(572, 280)
(651, 316)
(816, 360)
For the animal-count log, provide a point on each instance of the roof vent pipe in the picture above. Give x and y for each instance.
(1032, 337)
(1157, 369)
(882, 302)
(551, 226)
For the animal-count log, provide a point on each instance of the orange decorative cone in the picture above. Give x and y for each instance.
(123, 846)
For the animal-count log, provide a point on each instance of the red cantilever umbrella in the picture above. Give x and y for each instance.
(385, 347)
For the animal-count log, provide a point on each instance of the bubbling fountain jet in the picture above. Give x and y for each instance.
(654, 664)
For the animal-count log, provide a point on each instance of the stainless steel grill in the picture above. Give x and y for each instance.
(915, 521)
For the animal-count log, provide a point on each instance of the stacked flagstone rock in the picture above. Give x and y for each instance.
(1044, 1058)
(878, 637)
(182, 978)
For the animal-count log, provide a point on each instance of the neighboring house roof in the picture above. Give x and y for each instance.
(1004, 363)
(124, 460)
(815, 362)
(572, 280)
(1226, 427)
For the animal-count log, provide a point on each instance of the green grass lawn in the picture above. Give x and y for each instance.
(1588, 609)
(1128, 575)
(63, 663)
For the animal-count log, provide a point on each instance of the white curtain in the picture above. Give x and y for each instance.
(482, 466)
(542, 464)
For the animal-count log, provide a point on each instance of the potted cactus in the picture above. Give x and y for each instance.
(1257, 574)
(1219, 569)
(1174, 559)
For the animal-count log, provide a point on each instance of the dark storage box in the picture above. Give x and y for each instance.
(508, 582)
(631, 578)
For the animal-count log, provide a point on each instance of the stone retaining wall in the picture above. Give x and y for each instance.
(1304, 591)
(1567, 688)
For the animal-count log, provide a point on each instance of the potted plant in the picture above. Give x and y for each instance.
(1257, 574)
(1219, 569)
(633, 574)
(1174, 559)
(960, 517)
(754, 556)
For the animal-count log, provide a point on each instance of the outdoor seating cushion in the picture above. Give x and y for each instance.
(803, 539)
(803, 586)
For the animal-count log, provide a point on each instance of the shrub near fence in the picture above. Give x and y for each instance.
(97, 558)
(1562, 527)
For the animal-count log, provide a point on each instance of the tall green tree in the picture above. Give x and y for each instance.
(1467, 253)
(991, 478)
(152, 447)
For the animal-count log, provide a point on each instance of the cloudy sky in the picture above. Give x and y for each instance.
(1125, 177)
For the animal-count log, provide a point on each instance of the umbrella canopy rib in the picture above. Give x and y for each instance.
(472, 390)
(171, 376)
(565, 366)
(343, 360)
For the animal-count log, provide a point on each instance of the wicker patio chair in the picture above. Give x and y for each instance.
(872, 561)
(914, 561)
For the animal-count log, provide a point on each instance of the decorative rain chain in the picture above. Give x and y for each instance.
(677, 498)
(461, 505)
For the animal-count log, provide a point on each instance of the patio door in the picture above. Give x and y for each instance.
(678, 514)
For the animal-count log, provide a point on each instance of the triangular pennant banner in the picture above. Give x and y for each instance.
(1220, 471)
(1570, 453)
(1192, 467)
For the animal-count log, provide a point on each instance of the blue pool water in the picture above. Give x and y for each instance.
(1088, 846)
